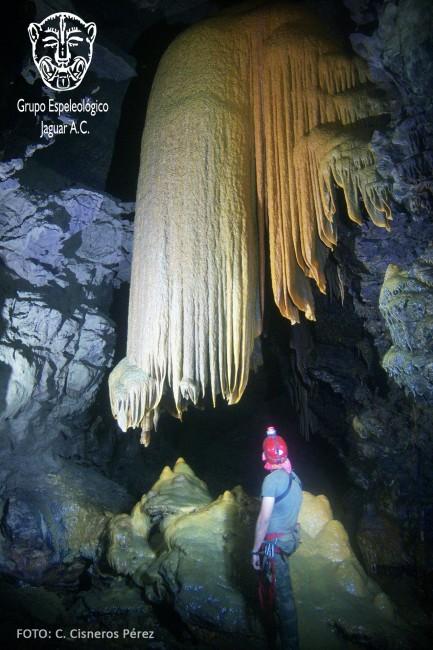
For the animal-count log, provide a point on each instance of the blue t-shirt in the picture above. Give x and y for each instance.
(285, 512)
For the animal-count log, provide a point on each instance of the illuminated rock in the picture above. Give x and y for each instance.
(61, 253)
(202, 568)
(19, 379)
(177, 491)
(406, 304)
(352, 578)
(333, 542)
(128, 546)
(315, 513)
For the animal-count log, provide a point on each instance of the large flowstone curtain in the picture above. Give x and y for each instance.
(253, 120)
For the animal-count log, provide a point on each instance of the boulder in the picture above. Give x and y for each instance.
(201, 565)
(315, 513)
(177, 491)
(53, 522)
(128, 545)
(201, 568)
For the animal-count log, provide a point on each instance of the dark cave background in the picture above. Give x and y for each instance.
(355, 433)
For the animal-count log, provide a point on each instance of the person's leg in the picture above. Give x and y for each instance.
(285, 606)
(268, 607)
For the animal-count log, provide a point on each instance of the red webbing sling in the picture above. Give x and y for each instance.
(266, 586)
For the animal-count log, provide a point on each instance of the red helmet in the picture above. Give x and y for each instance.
(274, 448)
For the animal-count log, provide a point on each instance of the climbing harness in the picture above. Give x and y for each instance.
(267, 574)
(269, 549)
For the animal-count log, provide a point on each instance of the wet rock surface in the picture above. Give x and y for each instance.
(202, 570)
(52, 522)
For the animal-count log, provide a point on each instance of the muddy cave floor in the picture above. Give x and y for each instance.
(223, 448)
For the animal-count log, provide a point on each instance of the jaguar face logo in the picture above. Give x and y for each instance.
(62, 47)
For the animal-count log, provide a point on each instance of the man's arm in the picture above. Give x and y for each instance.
(262, 526)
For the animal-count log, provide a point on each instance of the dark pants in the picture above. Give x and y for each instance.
(283, 620)
(287, 620)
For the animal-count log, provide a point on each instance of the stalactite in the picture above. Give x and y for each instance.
(252, 117)
(303, 79)
(194, 304)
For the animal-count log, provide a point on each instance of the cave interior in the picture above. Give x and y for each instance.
(350, 390)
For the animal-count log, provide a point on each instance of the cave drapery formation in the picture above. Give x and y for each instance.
(254, 119)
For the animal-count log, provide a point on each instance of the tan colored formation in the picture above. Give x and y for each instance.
(191, 552)
(252, 117)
